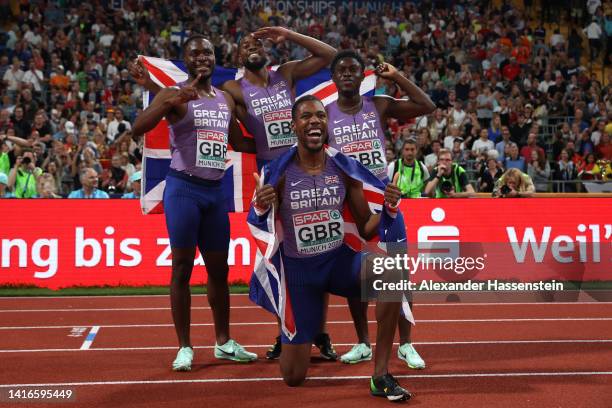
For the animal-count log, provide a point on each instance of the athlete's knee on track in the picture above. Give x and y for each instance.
(294, 377)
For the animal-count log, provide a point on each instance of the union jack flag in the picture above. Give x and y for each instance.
(238, 183)
(268, 285)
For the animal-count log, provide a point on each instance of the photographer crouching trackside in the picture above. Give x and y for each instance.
(448, 179)
(513, 184)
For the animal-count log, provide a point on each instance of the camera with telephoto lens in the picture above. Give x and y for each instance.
(446, 186)
(26, 160)
(504, 190)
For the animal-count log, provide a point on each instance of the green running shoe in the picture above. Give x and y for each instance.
(234, 351)
(387, 386)
(183, 359)
(360, 352)
(407, 353)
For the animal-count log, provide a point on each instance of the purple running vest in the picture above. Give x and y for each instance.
(269, 115)
(311, 211)
(359, 136)
(198, 142)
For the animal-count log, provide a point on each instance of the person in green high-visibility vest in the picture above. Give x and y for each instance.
(413, 174)
(448, 179)
(22, 177)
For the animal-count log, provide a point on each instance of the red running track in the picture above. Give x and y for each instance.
(478, 355)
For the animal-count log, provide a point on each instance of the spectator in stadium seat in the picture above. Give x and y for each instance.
(604, 148)
(135, 181)
(514, 160)
(89, 181)
(531, 146)
(491, 174)
(514, 184)
(482, 144)
(448, 179)
(114, 179)
(585, 170)
(45, 186)
(565, 170)
(539, 170)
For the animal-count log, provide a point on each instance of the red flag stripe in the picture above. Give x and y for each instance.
(158, 73)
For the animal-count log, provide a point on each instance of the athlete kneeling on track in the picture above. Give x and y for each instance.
(307, 191)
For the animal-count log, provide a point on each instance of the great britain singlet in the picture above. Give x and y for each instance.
(359, 135)
(311, 211)
(269, 115)
(198, 142)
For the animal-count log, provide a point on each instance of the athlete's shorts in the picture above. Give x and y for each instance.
(196, 213)
(308, 279)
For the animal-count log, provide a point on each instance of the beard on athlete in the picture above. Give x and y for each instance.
(252, 53)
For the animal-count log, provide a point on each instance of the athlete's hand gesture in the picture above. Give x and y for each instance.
(274, 34)
(386, 71)
(392, 192)
(265, 195)
(186, 93)
(139, 72)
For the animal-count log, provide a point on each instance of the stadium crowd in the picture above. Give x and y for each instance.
(510, 93)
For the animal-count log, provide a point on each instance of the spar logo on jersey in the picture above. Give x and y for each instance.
(318, 231)
(362, 146)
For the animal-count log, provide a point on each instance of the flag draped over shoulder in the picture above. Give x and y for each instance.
(268, 286)
(238, 183)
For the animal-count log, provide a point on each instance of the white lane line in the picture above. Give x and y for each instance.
(418, 305)
(271, 323)
(417, 343)
(90, 338)
(332, 378)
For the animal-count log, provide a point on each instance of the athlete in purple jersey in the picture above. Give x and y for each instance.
(309, 198)
(263, 103)
(355, 128)
(264, 98)
(202, 122)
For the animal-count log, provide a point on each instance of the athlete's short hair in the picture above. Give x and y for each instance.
(194, 37)
(300, 101)
(347, 54)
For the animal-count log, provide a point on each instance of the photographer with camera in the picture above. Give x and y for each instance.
(448, 180)
(22, 177)
(514, 184)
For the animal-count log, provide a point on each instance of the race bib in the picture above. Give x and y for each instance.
(278, 128)
(370, 153)
(211, 149)
(318, 231)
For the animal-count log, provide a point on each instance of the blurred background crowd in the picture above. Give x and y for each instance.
(518, 84)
